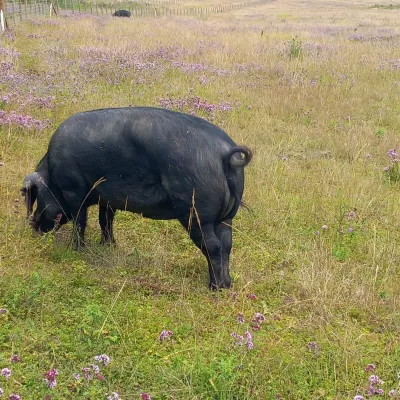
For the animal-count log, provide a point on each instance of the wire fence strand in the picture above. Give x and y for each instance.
(21, 10)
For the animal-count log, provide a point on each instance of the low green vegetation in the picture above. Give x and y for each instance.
(386, 6)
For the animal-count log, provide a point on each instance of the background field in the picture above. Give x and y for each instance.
(313, 88)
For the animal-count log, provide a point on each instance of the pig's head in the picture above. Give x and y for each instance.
(50, 211)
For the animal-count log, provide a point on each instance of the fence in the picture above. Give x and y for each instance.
(22, 10)
(19, 10)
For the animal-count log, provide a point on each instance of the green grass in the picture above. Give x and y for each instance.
(386, 6)
(320, 112)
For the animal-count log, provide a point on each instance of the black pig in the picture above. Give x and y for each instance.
(155, 162)
(122, 13)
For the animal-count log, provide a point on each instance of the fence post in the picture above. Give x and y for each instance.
(14, 11)
(20, 11)
(11, 13)
(2, 22)
(3, 15)
(52, 8)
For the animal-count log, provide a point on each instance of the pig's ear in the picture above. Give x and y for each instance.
(29, 190)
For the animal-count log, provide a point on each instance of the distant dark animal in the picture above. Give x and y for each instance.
(122, 13)
(155, 162)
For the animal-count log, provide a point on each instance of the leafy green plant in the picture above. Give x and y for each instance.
(295, 48)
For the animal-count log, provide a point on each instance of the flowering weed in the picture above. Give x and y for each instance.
(393, 169)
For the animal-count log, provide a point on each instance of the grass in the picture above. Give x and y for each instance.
(316, 97)
(387, 6)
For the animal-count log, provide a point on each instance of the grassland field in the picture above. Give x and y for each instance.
(313, 87)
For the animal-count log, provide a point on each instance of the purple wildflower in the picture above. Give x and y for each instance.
(6, 372)
(259, 318)
(3, 310)
(203, 80)
(393, 155)
(1, 392)
(50, 384)
(113, 396)
(15, 358)
(50, 378)
(371, 390)
(251, 296)
(351, 215)
(224, 106)
(240, 318)
(250, 345)
(14, 396)
(374, 380)
(392, 393)
(103, 358)
(87, 373)
(145, 396)
(239, 339)
(249, 342)
(358, 397)
(23, 121)
(95, 368)
(194, 104)
(350, 229)
(45, 102)
(313, 347)
(77, 377)
(165, 335)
